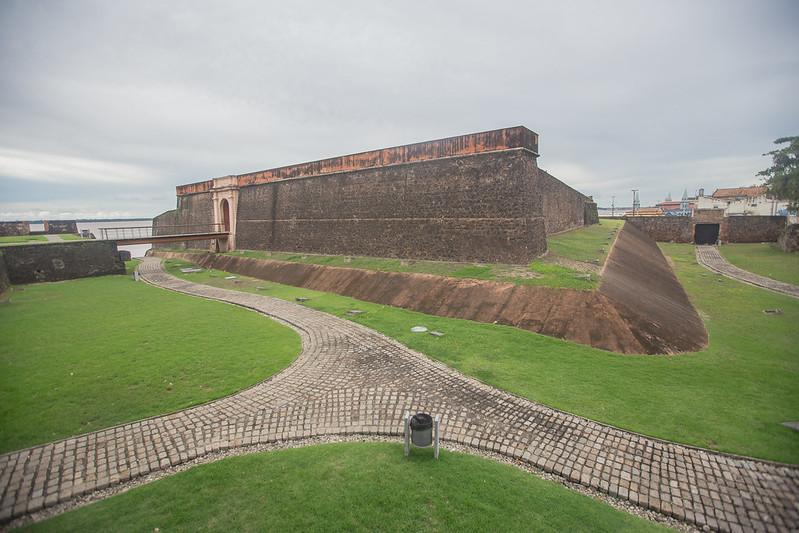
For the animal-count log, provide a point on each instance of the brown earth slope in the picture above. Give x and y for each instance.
(646, 292)
(606, 319)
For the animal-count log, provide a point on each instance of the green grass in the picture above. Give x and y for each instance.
(536, 273)
(349, 487)
(86, 354)
(731, 397)
(764, 259)
(22, 239)
(587, 244)
(71, 237)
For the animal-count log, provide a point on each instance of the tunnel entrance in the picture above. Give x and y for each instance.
(706, 233)
(225, 207)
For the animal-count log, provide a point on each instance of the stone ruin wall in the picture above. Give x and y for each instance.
(477, 197)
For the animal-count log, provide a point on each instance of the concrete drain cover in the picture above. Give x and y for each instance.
(418, 329)
(231, 277)
(353, 312)
(436, 334)
(302, 299)
(772, 311)
(190, 270)
(792, 425)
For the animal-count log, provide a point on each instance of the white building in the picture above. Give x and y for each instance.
(742, 201)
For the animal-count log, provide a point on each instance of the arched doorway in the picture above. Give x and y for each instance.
(225, 208)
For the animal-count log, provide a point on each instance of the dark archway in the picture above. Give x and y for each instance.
(706, 233)
(225, 207)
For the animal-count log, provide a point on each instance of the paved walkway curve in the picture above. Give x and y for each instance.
(711, 258)
(350, 379)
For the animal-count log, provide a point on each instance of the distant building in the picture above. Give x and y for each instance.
(646, 212)
(743, 201)
(683, 208)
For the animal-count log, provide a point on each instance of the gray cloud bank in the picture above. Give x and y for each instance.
(106, 106)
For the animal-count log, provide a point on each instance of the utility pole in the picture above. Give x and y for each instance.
(612, 206)
(635, 200)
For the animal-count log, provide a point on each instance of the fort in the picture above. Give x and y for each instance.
(476, 197)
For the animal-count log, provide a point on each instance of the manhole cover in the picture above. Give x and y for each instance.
(772, 311)
(418, 329)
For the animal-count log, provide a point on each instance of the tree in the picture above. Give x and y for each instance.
(782, 178)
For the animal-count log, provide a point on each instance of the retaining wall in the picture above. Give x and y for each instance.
(4, 281)
(602, 319)
(646, 292)
(732, 229)
(754, 228)
(14, 229)
(665, 229)
(61, 261)
(53, 227)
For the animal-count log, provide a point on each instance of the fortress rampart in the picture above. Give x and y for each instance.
(477, 197)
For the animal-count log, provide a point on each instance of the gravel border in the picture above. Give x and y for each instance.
(86, 499)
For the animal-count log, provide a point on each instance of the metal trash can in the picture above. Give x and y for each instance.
(422, 430)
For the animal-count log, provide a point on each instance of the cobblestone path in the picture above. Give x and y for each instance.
(711, 258)
(350, 379)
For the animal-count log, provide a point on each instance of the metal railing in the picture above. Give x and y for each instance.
(146, 232)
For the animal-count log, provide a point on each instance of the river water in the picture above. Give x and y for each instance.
(136, 250)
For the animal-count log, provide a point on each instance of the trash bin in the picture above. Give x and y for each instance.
(422, 429)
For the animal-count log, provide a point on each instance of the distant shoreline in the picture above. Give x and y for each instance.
(41, 221)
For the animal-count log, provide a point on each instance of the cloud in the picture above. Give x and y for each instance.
(112, 98)
(36, 166)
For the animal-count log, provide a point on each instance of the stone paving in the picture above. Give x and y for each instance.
(711, 258)
(351, 380)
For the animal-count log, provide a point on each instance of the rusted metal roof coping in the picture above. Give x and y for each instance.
(473, 143)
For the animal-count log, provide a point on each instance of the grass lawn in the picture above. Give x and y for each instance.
(71, 237)
(22, 239)
(587, 244)
(536, 273)
(349, 487)
(764, 259)
(731, 397)
(81, 355)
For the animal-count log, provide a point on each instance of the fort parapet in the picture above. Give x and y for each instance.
(476, 197)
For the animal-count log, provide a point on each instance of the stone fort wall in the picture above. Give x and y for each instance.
(34, 263)
(478, 197)
(732, 229)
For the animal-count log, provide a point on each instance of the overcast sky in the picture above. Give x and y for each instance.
(106, 106)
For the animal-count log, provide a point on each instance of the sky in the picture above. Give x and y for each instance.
(106, 106)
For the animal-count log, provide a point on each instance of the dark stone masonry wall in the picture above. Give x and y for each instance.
(53, 227)
(480, 207)
(474, 197)
(194, 210)
(755, 228)
(665, 229)
(563, 208)
(733, 229)
(14, 229)
(61, 261)
(4, 281)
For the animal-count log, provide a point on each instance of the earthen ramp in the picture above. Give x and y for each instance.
(603, 319)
